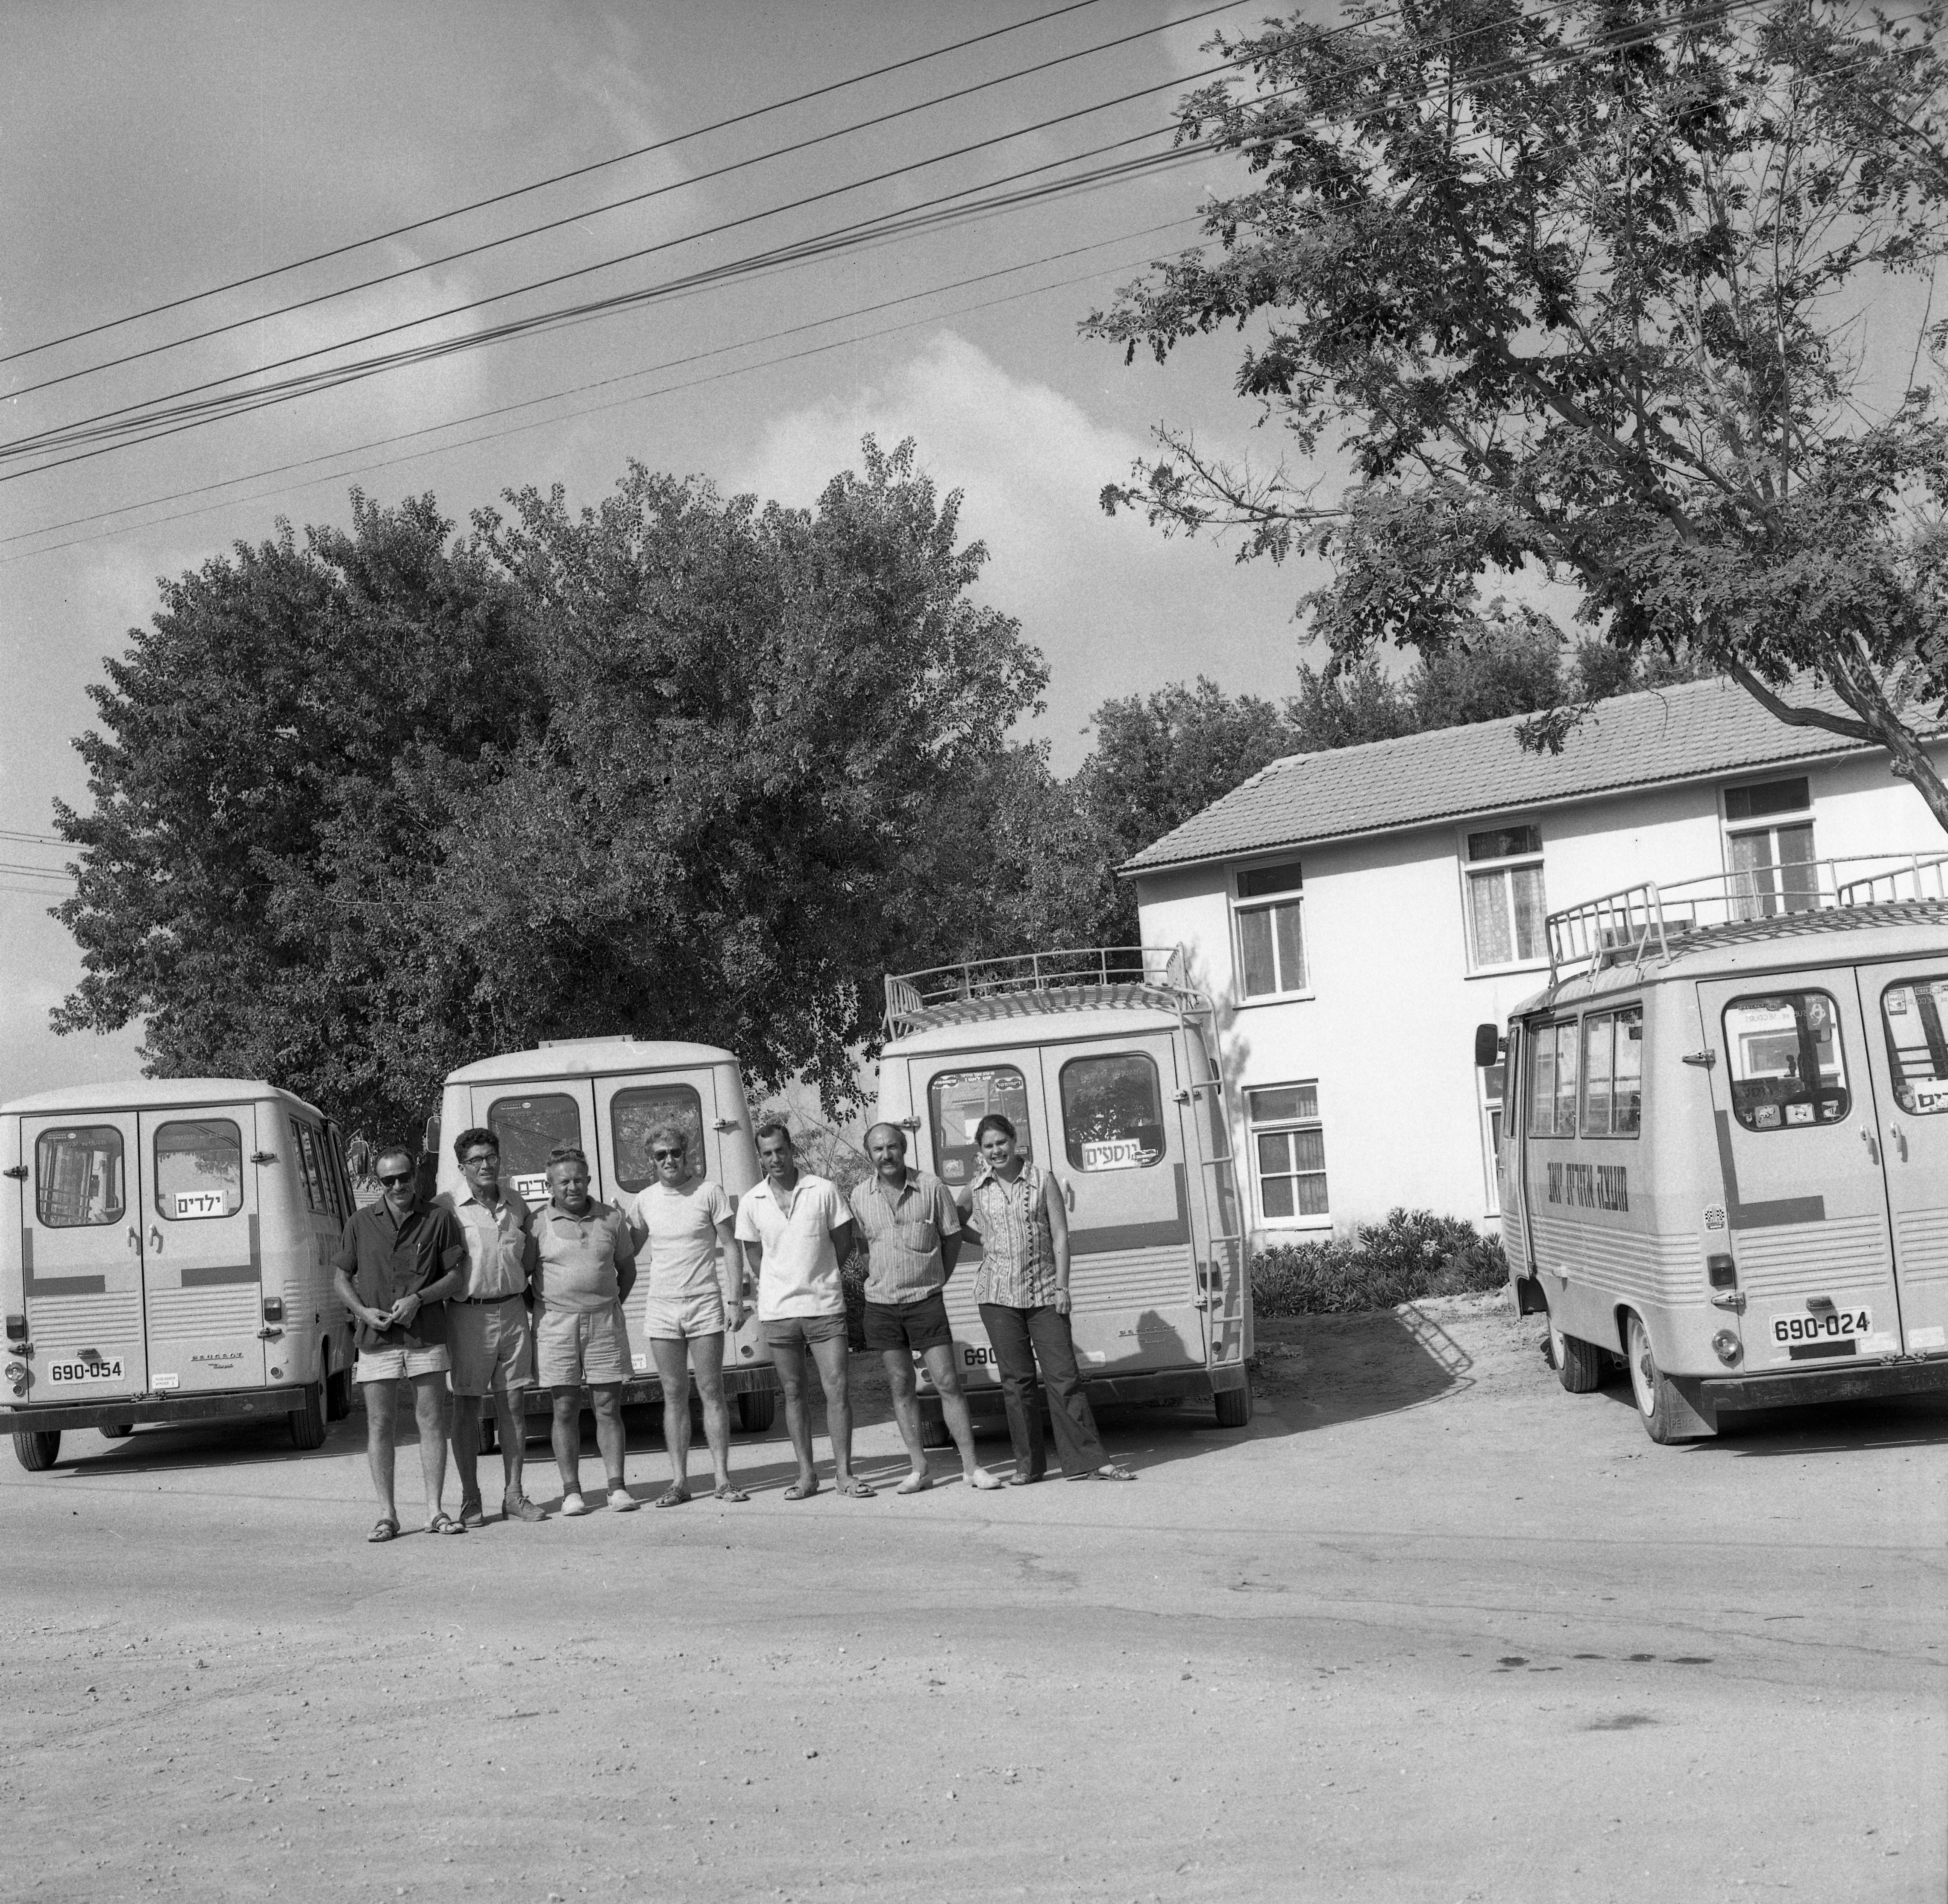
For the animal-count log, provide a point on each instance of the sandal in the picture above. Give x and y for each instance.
(386, 1528)
(443, 1522)
(857, 1488)
(673, 1496)
(728, 1492)
(802, 1490)
(1108, 1471)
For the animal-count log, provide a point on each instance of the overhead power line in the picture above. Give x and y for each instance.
(556, 178)
(581, 217)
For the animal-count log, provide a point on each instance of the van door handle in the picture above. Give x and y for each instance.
(134, 1238)
(155, 1238)
(1900, 1140)
(1873, 1149)
(1068, 1197)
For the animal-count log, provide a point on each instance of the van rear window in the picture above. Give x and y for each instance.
(1787, 1066)
(957, 1101)
(529, 1128)
(77, 1176)
(1112, 1113)
(637, 1113)
(1915, 1013)
(199, 1169)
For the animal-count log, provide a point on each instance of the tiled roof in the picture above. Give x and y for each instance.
(1664, 734)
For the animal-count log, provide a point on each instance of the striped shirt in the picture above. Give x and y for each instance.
(1017, 1252)
(903, 1232)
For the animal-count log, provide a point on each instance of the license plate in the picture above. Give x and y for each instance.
(974, 1361)
(1824, 1325)
(59, 1372)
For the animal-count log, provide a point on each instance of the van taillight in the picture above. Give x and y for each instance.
(1724, 1271)
(274, 1309)
(17, 1329)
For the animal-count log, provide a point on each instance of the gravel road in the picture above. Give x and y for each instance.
(1429, 1629)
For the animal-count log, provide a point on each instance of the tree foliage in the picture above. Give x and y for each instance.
(1577, 287)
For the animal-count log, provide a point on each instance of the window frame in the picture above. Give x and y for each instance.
(1070, 1144)
(155, 1157)
(1475, 872)
(1845, 1086)
(1298, 1219)
(1612, 1017)
(1024, 1124)
(1269, 902)
(73, 1134)
(1553, 1029)
(311, 1171)
(1905, 1095)
(1772, 904)
(629, 1094)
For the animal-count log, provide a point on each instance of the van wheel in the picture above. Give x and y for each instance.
(36, 1451)
(1658, 1402)
(308, 1424)
(757, 1410)
(115, 1431)
(1579, 1365)
(934, 1432)
(337, 1387)
(1234, 1407)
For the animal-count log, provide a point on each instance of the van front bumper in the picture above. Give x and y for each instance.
(1857, 1381)
(214, 1405)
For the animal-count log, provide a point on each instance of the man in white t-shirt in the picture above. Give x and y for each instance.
(680, 1223)
(796, 1231)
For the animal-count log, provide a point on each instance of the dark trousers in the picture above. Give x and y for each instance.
(1021, 1338)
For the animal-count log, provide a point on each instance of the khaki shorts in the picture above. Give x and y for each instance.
(802, 1331)
(683, 1318)
(400, 1365)
(492, 1345)
(574, 1348)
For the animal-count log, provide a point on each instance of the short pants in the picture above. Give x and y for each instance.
(916, 1325)
(574, 1347)
(492, 1345)
(682, 1317)
(397, 1364)
(801, 1332)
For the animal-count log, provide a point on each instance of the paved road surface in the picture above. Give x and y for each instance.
(1430, 1629)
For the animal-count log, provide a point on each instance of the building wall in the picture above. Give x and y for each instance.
(1385, 1024)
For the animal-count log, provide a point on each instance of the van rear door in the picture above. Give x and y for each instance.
(202, 1251)
(531, 1118)
(1906, 1007)
(80, 1257)
(1799, 1151)
(1120, 1153)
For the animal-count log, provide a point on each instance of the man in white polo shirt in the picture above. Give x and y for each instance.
(680, 1223)
(796, 1231)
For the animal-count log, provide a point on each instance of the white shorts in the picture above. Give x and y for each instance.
(400, 1365)
(683, 1318)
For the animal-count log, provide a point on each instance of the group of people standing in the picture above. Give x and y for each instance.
(474, 1294)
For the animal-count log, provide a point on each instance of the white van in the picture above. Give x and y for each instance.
(1726, 1154)
(605, 1096)
(166, 1256)
(1105, 1062)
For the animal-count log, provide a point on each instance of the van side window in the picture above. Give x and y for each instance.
(1613, 1073)
(77, 1178)
(1552, 1080)
(1913, 1012)
(529, 1128)
(1786, 1063)
(957, 1101)
(1112, 1112)
(199, 1169)
(634, 1113)
(312, 1169)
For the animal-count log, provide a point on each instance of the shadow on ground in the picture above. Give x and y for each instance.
(1316, 1372)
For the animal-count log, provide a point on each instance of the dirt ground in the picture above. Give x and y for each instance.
(1429, 1629)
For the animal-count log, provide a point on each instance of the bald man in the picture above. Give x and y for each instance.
(913, 1236)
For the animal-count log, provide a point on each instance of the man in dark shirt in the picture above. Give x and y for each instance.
(399, 1261)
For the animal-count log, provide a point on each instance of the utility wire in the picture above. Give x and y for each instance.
(620, 204)
(558, 178)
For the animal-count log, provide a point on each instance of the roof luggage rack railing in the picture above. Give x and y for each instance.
(1100, 975)
(1636, 922)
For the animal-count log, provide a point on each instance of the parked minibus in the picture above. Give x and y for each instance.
(166, 1255)
(1725, 1156)
(1105, 1062)
(605, 1096)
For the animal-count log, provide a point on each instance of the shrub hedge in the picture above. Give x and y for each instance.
(1412, 1253)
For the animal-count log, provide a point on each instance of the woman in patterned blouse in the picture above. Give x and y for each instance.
(1022, 1289)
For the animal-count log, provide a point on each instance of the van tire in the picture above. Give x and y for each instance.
(934, 1432)
(1234, 1407)
(1665, 1417)
(115, 1431)
(37, 1449)
(337, 1387)
(757, 1410)
(308, 1423)
(1580, 1365)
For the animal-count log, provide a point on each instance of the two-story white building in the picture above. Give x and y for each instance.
(1356, 914)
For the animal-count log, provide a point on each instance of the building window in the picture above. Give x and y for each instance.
(1505, 906)
(1271, 934)
(1494, 1086)
(1287, 1151)
(1769, 848)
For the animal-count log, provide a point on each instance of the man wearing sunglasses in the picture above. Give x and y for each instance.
(488, 1335)
(399, 1261)
(684, 1222)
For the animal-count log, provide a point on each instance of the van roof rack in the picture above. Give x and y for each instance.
(1098, 977)
(1653, 922)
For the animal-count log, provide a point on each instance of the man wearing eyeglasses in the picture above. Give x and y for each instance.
(488, 1335)
(399, 1261)
(585, 1265)
(691, 1303)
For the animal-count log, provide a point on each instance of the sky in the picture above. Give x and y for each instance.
(152, 153)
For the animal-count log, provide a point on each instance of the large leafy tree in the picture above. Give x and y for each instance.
(1581, 287)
